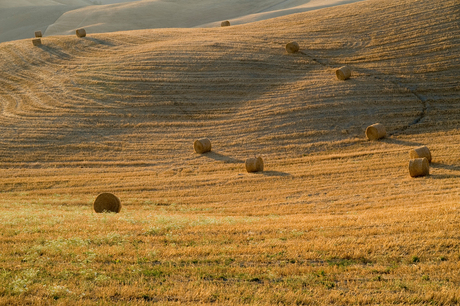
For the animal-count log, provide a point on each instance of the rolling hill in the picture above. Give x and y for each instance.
(119, 112)
(20, 19)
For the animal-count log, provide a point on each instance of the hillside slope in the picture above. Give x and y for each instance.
(144, 96)
(21, 18)
(178, 14)
(333, 219)
(236, 84)
(141, 98)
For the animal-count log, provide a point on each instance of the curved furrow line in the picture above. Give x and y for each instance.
(28, 103)
(386, 79)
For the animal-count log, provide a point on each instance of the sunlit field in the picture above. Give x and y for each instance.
(332, 219)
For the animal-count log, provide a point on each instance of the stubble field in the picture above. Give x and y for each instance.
(333, 219)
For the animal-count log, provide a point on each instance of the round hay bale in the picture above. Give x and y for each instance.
(254, 164)
(81, 32)
(343, 73)
(37, 42)
(202, 145)
(419, 167)
(107, 202)
(38, 34)
(375, 131)
(225, 23)
(420, 152)
(292, 47)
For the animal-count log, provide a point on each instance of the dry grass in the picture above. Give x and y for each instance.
(334, 219)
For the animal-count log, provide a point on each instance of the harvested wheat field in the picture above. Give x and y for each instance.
(332, 219)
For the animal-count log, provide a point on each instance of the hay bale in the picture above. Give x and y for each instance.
(254, 164)
(420, 152)
(81, 32)
(38, 34)
(375, 131)
(343, 73)
(202, 145)
(107, 202)
(419, 167)
(225, 23)
(292, 47)
(37, 42)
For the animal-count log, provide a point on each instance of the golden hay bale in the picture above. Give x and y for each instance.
(38, 34)
(292, 47)
(225, 23)
(202, 145)
(420, 152)
(37, 42)
(107, 202)
(375, 131)
(343, 73)
(254, 164)
(81, 32)
(419, 167)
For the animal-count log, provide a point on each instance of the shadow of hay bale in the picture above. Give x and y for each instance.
(446, 167)
(275, 173)
(224, 158)
(100, 41)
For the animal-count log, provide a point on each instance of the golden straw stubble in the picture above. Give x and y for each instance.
(107, 202)
(375, 131)
(80, 32)
(419, 167)
(202, 145)
(37, 42)
(225, 23)
(343, 73)
(254, 164)
(420, 152)
(292, 47)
